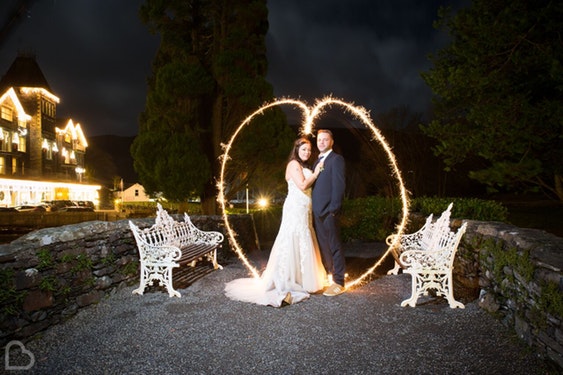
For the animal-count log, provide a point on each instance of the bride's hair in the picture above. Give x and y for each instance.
(294, 154)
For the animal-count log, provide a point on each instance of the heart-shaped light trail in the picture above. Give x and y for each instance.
(309, 116)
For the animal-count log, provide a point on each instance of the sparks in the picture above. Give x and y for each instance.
(310, 114)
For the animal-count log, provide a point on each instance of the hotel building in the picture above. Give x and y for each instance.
(41, 156)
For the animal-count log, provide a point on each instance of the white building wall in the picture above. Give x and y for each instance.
(135, 193)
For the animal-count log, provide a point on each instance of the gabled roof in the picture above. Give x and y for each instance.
(11, 95)
(24, 72)
(75, 131)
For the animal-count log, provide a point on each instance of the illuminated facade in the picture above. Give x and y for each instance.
(41, 157)
(135, 193)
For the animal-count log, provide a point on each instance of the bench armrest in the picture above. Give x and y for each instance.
(200, 236)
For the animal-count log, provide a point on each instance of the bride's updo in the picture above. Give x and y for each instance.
(294, 154)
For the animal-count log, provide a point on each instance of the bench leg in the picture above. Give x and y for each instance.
(414, 294)
(168, 283)
(395, 270)
(423, 282)
(449, 293)
(160, 273)
(213, 258)
(143, 280)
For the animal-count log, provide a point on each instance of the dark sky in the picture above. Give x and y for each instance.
(96, 54)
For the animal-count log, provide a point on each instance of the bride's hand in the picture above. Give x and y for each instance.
(319, 168)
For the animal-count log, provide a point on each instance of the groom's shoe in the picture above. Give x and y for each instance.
(334, 290)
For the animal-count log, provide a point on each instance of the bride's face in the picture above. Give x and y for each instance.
(305, 151)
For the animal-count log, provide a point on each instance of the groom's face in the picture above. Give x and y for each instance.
(324, 142)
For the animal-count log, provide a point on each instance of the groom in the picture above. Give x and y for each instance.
(328, 193)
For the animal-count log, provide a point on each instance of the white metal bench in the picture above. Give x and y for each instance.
(432, 268)
(169, 244)
(424, 238)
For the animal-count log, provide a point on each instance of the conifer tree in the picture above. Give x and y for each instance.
(207, 76)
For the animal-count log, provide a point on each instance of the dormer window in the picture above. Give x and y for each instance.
(7, 113)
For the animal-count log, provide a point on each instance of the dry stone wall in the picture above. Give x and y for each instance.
(49, 274)
(519, 273)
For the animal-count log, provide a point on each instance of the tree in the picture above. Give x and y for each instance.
(498, 93)
(208, 75)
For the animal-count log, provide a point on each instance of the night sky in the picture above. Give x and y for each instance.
(96, 54)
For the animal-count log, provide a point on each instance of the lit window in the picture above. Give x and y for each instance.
(22, 144)
(14, 165)
(2, 165)
(7, 113)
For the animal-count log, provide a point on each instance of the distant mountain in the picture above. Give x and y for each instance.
(109, 156)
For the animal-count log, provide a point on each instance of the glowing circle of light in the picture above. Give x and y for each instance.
(309, 116)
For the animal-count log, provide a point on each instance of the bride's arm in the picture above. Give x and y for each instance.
(294, 171)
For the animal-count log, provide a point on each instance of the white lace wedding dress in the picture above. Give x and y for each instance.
(294, 265)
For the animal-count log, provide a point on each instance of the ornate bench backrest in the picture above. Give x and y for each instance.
(200, 236)
(437, 230)
(446, 247)
(154, 245)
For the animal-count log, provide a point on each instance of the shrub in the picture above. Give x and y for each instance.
(464, 208)
(369, 218)
(374, 218)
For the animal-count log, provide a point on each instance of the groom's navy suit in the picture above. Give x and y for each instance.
(328, 193)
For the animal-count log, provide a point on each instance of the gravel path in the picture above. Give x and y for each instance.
(364, 331)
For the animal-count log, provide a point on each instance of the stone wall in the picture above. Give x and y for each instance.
(519, 273)
(49, 274)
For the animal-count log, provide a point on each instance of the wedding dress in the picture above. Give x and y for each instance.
(294, 265)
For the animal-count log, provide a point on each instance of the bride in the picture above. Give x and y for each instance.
(294, 269)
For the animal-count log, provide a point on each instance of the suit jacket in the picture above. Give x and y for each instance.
(328, 190)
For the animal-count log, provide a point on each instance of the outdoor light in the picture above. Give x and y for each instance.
(42, 91)
(263, 202)
(79, 171)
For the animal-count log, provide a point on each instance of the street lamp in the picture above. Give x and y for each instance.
(246, 198)
(79, 171)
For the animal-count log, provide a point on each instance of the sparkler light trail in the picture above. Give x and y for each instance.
(310, 114)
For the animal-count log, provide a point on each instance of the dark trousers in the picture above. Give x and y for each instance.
(328, 235)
